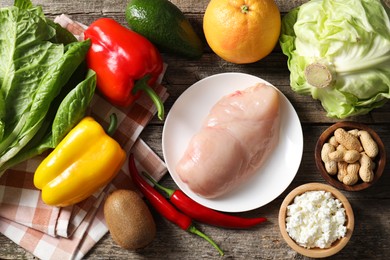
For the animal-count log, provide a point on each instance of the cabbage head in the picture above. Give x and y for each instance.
(339, 53)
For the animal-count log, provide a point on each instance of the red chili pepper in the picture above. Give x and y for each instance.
(162, 205)
(124, 61)
(203, 214)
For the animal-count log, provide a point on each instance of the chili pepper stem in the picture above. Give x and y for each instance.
(142, 84)
(197, 232)
(168, 191)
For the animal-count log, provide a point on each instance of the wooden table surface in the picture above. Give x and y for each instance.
(370, 239)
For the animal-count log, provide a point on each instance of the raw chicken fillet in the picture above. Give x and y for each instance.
(236, 138)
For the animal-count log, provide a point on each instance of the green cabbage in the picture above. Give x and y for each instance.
(339, 53)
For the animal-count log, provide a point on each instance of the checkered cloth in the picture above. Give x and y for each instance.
(70, 232)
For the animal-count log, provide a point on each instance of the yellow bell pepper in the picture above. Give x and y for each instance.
(83, 162)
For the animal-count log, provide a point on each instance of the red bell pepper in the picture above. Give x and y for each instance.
(125, 62)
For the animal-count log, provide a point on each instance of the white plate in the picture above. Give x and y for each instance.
(185, 119)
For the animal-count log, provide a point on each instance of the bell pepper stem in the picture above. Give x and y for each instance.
(142, 84)
(168, 191)
(113, 124)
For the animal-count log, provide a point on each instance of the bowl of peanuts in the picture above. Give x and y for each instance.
(350, 156)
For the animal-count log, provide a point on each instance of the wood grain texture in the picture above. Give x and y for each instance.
(371, 207)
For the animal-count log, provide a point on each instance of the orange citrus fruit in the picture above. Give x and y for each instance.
(242, 31)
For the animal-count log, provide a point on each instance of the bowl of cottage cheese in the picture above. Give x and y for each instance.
(316, 220)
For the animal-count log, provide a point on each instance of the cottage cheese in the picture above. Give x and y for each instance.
(316, 219)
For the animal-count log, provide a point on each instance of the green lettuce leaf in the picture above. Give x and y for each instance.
(69, 112)
(339, 53)
(23, 4)
(40, 95)
(26, 56)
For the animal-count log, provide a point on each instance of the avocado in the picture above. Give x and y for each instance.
(165, 25)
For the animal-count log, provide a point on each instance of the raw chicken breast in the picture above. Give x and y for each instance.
(236, 138)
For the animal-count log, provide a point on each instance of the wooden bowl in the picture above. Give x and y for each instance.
(317, 252)
(379, 160)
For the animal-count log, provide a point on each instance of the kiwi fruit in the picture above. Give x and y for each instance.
(129, 219)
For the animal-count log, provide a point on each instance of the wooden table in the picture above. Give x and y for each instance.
(370, 239)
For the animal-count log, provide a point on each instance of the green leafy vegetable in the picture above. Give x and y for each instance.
(339, 53)
(42, 93)
(23, 4)
(72, 108)
(69, 112)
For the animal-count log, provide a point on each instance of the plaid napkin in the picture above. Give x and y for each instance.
(70, 232)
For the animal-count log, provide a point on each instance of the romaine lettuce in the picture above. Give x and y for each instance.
(339, 53)
(39, 99)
